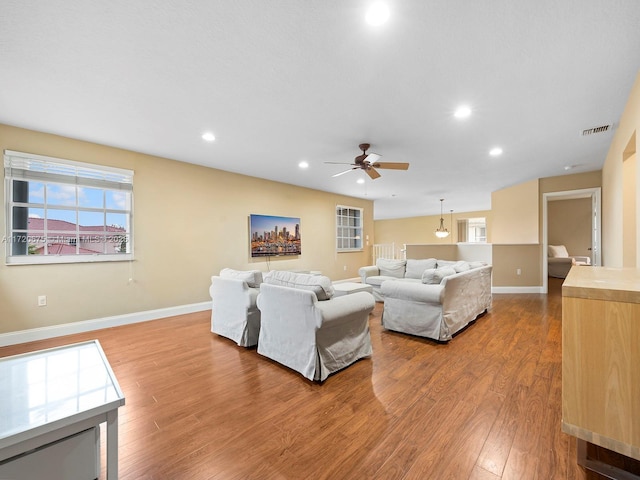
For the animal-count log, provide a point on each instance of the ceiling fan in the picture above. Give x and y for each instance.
(369, 162)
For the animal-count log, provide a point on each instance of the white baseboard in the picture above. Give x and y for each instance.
(43, 333)
(537, 289)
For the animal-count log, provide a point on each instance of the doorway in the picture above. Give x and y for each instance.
(590, 200)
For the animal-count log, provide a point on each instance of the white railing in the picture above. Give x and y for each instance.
(383, 250)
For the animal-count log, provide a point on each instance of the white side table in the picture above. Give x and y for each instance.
(52, 395)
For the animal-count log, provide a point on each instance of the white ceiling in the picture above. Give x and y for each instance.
(282, 81)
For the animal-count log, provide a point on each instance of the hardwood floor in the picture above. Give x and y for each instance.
(485, 406)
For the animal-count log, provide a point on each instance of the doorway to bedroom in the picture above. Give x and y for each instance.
(571, 218)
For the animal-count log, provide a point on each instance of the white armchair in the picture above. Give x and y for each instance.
(308, 330)
(234, 312)
(560, 262)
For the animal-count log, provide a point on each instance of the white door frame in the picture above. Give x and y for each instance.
(596, 232)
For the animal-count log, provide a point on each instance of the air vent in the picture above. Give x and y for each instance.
(594, 130)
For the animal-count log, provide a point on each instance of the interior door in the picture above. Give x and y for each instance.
(596, 239)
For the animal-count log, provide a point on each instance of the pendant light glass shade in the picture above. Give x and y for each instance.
(441, 232)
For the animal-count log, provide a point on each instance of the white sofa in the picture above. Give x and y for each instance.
(437, 310)
(410, 270)
(234, 311)
(306, 328)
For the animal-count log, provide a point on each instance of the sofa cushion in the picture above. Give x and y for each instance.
(391, 268)
(445, 263)
(461, 266)
(415, 268)
(376, 280)
(318, 284)
(476, 264)
(444, 272)
(556, 251)
(429, 276)
(253, 278)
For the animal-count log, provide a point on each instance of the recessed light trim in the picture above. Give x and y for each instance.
(495, 152)
(377, 14)
(303, 164)
(208, 137)
(463, 111)
(360, 180)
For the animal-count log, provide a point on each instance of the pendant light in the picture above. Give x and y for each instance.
(441, 232)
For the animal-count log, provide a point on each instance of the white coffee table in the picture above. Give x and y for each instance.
(347, 288)
(52, 395)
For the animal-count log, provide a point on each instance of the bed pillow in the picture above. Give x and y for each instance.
(556, 251)
(318, 284)
(415, 268)
(391, 268)
(253, 278)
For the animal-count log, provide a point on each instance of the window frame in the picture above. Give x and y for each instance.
(358, 233)
(57, 172)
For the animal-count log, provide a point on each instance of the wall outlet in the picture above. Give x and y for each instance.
(518, 271)
(345, 268)
(42, 300)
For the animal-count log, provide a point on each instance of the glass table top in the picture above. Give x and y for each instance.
(41, 387)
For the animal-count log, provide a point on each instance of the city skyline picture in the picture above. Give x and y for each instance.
(272, 235)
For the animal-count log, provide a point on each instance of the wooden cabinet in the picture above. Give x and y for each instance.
(601, 357)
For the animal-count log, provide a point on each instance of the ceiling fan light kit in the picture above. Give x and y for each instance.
(369, 162)
(441, 232)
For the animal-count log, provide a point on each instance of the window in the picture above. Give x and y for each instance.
(349, 228)
(472, 230)
(59, 211)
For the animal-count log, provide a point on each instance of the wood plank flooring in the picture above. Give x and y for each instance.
(485, 406)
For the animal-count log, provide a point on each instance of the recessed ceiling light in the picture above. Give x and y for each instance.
(496, 151)
(360, 180)
(463, 111)
(208, 137)
(377, 14)
(303, 164)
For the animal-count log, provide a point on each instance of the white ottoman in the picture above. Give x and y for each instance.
(346, 288)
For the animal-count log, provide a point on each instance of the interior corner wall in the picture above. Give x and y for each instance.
(623, 145)
(189, 223)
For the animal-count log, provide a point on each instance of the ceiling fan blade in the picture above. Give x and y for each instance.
(342, 173)
(372, 172)
(372, 157)
(392, 165)
(340, 163)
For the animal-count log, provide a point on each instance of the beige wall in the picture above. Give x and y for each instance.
(442, 252)
(419, 230)
(189, 222)
(515, 214)
(529, 197)
(507, 259)
(569, 224)
(623, 146)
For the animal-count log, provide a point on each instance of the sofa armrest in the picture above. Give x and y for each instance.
(341, 309)
(370, 271)
(412, 291)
